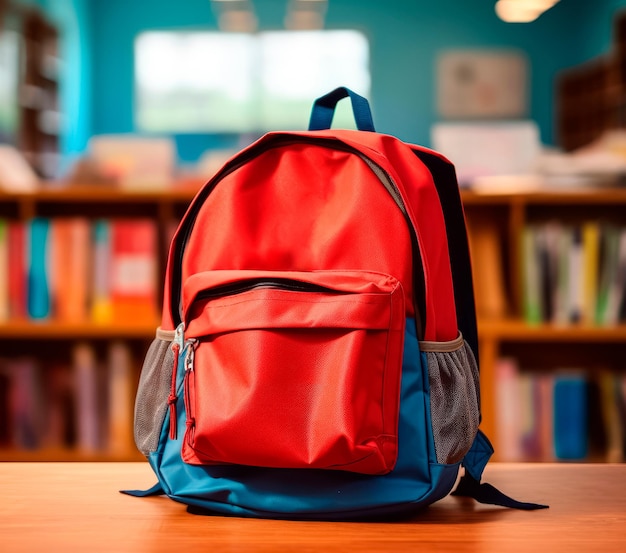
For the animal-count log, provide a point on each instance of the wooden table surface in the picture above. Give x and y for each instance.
(49, 507)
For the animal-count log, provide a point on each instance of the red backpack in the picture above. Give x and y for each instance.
(317, 356)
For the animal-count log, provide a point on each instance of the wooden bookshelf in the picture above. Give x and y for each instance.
(502, 330)
(496, 223)
(591, 97)
(51, 342)
(40, 111)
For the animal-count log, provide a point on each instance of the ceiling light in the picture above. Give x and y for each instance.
(522, 11)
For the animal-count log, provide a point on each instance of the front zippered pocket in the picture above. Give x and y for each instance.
(294, 369)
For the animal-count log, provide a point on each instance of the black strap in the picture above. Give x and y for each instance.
(157, 489)
(445, 180)
(489, 495)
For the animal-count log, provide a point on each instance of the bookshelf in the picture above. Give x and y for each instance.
(496, 224)
(31, 117)
(40, 117)
(495, 221)
(591, 97)
(51, 344)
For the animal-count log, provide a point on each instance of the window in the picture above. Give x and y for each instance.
(236, 82)
(10, 43)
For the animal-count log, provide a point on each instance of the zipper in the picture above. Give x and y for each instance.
(278, 283)
(178, 345)
(419, 287)
(190, 356)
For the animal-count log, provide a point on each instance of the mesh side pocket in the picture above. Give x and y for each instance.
(152, 394)
(454, 397)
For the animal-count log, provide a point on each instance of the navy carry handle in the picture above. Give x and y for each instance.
(324, 109)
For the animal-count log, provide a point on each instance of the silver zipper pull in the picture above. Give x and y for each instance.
(179, 337)
(190, 346)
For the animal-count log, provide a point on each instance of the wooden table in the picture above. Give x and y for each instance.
(49, 507)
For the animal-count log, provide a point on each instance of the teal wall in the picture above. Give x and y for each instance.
(405, 38)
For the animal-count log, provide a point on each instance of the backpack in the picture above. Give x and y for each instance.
(318, 355)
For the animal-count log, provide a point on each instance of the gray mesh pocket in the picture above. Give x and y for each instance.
(153, 392)
(454, 397)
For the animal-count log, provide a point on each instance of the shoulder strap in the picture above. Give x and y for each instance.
(481, 451)
(444, 177)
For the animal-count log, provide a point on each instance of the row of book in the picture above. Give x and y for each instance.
(574, 273)
(566, 414)
(83, 404)
(75, 269)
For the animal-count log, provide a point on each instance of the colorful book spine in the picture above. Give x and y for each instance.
(609, 256)
(4, 270)
(87, 398)
(70, 262)
(134, 270)
(26, 400)
(120, 406)
(590, 269)
(570, 417)
(574, 274)
(533, 312)
(38, 269)
(101, 306)
(508, 409)
(17, 274)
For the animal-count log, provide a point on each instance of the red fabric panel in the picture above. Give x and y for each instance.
(342, 219)
(420, 196)
(304, 379)
(301, 208)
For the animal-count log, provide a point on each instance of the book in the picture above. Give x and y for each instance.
(488, 280)
(508, 409)
(621, 404)
(120, 406)
(25, 403)
(563, 301)
(60, 408)
(610, 396)
(17, 272)
(134, 270)
(5, 407)
(4, 270)
(528, 424)
(531, 278)
(101, 305)
(87, 394)
(609, 257)
(570, 416)
(617, 286)
(590, 266)
(547, 252)
(38, 268)
(544, 413)
(576, 281)
(70, 273)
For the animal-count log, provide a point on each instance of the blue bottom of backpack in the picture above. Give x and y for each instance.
(416, 481)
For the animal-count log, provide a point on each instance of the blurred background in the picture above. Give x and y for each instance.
(114, 112)
(115, 61)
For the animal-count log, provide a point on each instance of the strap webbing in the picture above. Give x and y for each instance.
(157, 489)
(444, 177)
(489, 495)
(324, 109)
